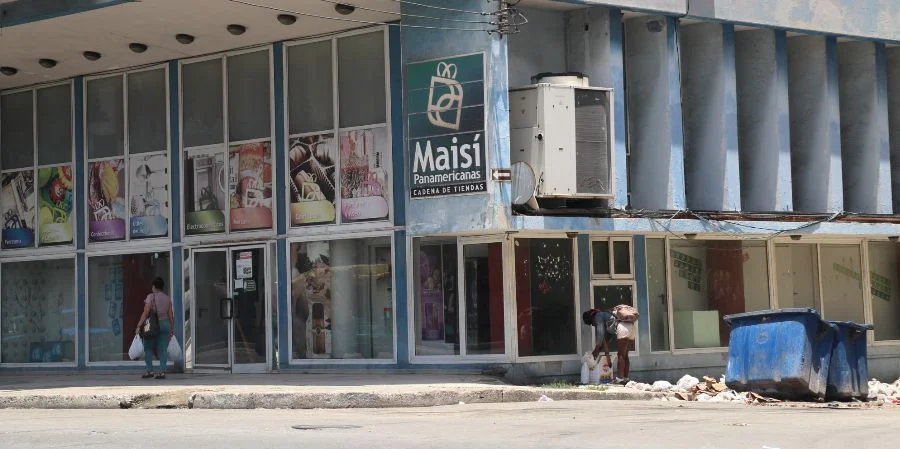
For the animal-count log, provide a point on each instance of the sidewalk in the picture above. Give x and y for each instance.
(272, 391)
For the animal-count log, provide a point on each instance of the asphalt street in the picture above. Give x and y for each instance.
(575, 424)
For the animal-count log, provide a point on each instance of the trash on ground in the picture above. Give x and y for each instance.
(544, 398)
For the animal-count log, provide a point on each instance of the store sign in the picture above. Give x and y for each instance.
(446, 125)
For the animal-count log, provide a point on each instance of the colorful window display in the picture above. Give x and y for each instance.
(39, 318)
(106, 200)
(149, 195)
(364, 187)
(437, 299)
(18, 200)
(56, 214)
(204, 190)
(250, 186)
(312, 179)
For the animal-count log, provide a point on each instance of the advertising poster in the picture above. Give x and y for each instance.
(56, 200)
(106, 200)
(17, 199)
(204, 191)
(364, 179)
(311, 278)
(250, 185)
(149, 182)
(312, 170)
(431, 286)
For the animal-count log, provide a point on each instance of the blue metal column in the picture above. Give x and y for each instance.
(583, 243)
(402, 313)
(643, 302)
(177, 255)
(80, 223)
(282, 271)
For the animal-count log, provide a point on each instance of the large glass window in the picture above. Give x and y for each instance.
(127, 147)
(884, 263)
(545, 297)
(827, 278)
(711, 279)
(36, 183)
(341, 299)
(657, 298)
(227, 145)
(339, 162)
(117, 287)
(38, 318)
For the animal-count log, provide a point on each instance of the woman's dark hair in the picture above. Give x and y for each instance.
(588, 317)
(159, 283)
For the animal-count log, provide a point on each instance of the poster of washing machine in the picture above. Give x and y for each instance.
(149, 192)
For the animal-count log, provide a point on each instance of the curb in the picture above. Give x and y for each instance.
(206, 400)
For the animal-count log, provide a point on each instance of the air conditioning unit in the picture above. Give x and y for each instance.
(563, 129)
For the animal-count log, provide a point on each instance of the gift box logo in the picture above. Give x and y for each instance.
(445, 111)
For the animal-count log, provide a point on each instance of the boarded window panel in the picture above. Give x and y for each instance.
(147, 118)
(201, 85)
(105, 117)
(310, 88)
(16, 130)
(361, 80)
(249, 111)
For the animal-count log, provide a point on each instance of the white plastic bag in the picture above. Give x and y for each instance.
(136, 351)
(174, 350)
(588, 362)
(604, 372)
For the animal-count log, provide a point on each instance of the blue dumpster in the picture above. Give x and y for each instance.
(848, 376)
(781, 353)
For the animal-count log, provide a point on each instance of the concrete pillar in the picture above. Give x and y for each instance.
(815, 124)
(594, 47)
(343, 292)
(864, 128)
(764, 124)
(893, 96)
(653, 83)
(709, 102)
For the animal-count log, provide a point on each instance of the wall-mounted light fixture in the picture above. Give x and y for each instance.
(571, 235)
(137, 47)
(184, 38)
(344, 9)
(8, 71)
(287, 19)
(690, 236)
(236, 29)
(91, 55)
(47, 63)
(894, 238)
(654, 26)
(796, 237)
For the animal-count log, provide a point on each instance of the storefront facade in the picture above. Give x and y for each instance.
(325, 191)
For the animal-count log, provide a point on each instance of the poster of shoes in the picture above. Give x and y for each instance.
(149, 182)
(312, 170)
(204, 190)
(250, 185)
(55, 193)
(17, 200)
(106, 200)
(364, 179)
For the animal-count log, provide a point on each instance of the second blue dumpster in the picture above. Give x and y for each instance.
(782, 353)
(848, 375)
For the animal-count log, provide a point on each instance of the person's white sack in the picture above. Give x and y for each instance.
(174, 350)
(588, 362)
(136, 351)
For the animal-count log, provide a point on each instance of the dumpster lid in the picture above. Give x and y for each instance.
(770, 312)
(855, 326)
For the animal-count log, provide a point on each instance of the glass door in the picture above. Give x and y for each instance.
(229, 312)
(483, 308)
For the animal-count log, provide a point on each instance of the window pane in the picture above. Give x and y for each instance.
(249, 114)
(54, 125)
(711, 279)
(105, 117)
(201, 98)
(656, 295)
(17, 201)
(251, 190)
(342, 306)
(484, 299)
(117, 287)
(313, 160)
(56, 194)
(39, 318)
(149, 191)
(883, 258)
(361, 80)
(16, 130)
(545, 297)
(106, 200)
(437, 301)
(147, 118)
(365, 162)
(310, 88)
(798, 275)
(600, 256)
(841, 283)
(622, 257)
(205, 197)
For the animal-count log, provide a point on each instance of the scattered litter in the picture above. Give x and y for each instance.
(687, 382)
(661, 386)
(544, 398)
(769, 447)
(462, 403)
(741, 424)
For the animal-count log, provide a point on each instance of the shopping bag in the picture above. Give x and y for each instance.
(136, 351)
(174, 350)
(605, 372)
(588, 363)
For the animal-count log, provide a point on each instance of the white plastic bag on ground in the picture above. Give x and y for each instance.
(174, 350)
(136, 351)
(588, 363)
(661, 386)
(687, 382)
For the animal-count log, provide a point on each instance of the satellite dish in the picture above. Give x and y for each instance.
(523, 183)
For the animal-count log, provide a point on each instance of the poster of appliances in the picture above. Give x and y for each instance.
(250, 184)
(364, 180)
(204, 174)
(17, 199)
(313, 279)
(149, 191)
(312, 170)
(106, 200)
(56, 196)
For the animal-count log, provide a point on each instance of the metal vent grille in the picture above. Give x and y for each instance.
(592, 149)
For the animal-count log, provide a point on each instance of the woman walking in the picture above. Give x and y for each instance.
(161, 303)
